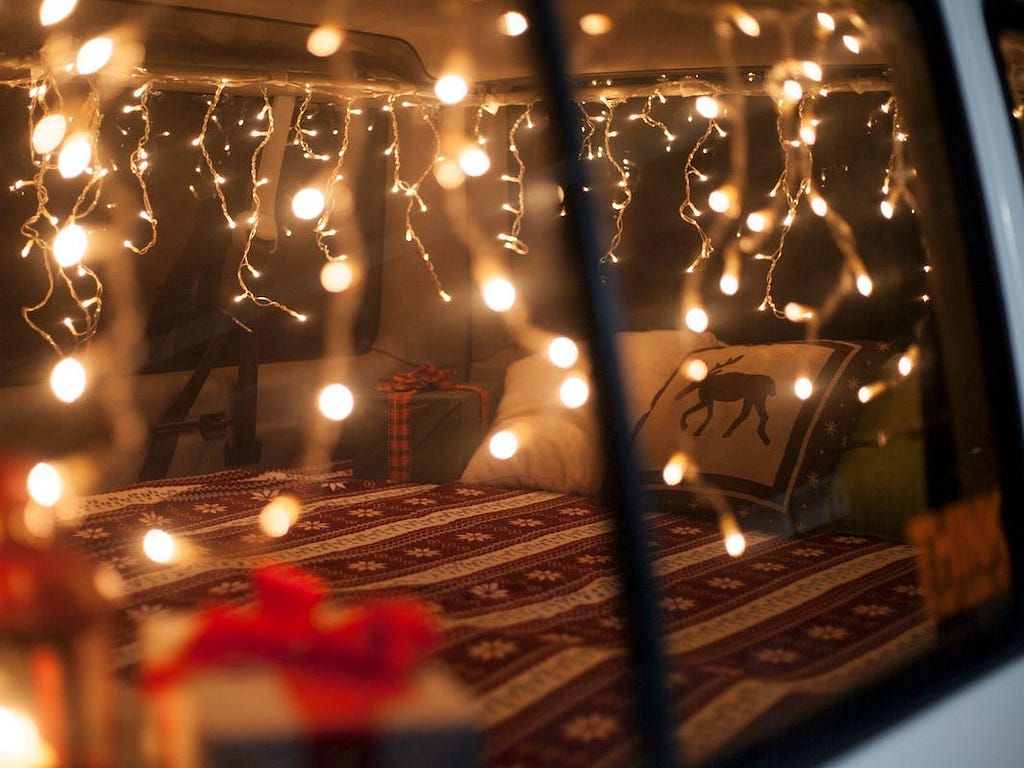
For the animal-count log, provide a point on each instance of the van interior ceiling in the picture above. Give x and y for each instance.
(291, 322)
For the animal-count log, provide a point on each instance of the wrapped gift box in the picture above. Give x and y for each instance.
(289, 681)
(249, 716)
(445, 426)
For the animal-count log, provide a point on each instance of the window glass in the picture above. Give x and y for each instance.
(310, 322)
(800, 364)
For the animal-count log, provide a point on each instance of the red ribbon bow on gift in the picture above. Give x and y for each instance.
(370, 648)
(422, 378)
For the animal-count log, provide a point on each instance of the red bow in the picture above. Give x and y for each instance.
(371, 648)
(423, 377)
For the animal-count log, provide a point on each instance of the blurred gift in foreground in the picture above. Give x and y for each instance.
(292, 681)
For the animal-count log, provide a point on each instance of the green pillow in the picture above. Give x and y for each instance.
(880, 478)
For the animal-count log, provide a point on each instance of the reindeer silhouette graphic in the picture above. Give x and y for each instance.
(752, 388)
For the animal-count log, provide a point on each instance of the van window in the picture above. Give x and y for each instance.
(655, 361)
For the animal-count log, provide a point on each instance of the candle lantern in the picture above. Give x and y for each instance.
(56, 692)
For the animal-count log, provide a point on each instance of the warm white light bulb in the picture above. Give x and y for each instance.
(595, 24)
(563, 352)
(803, 388)
(747, 24)
(20, 743)
(69, 245)
(697, 320)
(826, 22)
(735, 544)
(792, 90)
(819, 205)
(757, 222)
(279, 515)
(865, 285)
(49, 133)
(67, 380)
(887, 209)
(74, 157)
(852, 43)
(512, 24)
(675, 469)
(94, 55)
(503, 445)
(797, 312)
(574, 392)
(336, 402)
(324, 41)
(695, 369)
(706, 107)
(499, 294)
(808, 134)
(905, 365)
(336, 276)
(308, 203)
(44, 484)
(54, 11)
(159, 546)
(720, 200)
(729, 284)
(451, 89)
(474, 161)
(812, 70)
(449, 173)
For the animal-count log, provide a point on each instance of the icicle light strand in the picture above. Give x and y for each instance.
(618, 206)
(200, 141)
(412, 189)
(336, 177)
(244, 264)
(139, 164)
(511, 239)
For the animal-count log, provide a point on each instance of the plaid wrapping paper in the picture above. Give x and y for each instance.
(400, 388)
(399, 435)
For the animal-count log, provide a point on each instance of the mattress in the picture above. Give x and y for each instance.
(526, 588)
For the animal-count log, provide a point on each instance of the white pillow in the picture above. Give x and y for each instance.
(558, 446)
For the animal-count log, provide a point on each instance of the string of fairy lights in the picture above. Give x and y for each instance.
(70, 145)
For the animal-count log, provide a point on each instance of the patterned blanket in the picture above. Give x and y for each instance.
(525, 584)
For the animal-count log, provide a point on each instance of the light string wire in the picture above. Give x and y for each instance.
(301, 133)
(895, 188)
(618, 206)
(244, 265)
(511, 239)
(200, 141)
(412, 188)
(139, 164)
(688, 210)
(792, 184)
(321, 231)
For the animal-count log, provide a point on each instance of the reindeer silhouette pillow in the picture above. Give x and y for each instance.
(769, 443)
